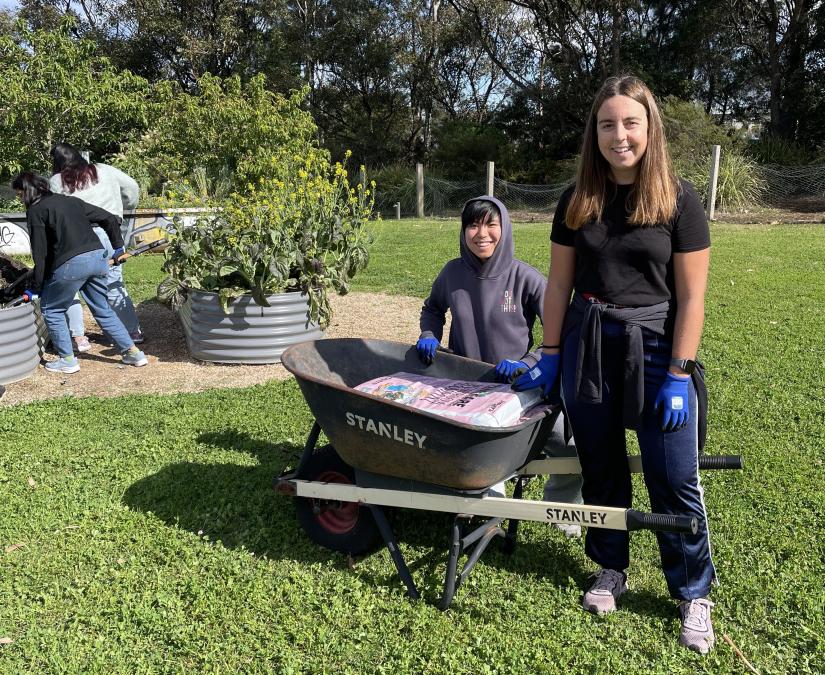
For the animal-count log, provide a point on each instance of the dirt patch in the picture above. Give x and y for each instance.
(771, 216)
(172, 370)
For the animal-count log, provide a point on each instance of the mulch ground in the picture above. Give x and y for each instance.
(172, 370)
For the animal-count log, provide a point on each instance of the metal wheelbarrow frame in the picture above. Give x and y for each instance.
(386, 454)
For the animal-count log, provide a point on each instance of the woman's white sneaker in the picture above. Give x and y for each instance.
(65, 364)
(697, 629)
(134, 357)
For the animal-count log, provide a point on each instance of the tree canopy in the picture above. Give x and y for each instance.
(59, 89)
(432, 80)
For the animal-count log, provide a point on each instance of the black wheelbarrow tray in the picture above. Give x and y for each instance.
(382, 453)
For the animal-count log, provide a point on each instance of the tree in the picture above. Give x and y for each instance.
(56, 89)
(227, 128)
(778, 36)
(180, 39)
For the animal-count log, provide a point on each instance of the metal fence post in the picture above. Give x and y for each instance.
(419, 189)
(714, 177)
(491, 173)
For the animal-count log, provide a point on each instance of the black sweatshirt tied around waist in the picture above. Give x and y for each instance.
(587, 315)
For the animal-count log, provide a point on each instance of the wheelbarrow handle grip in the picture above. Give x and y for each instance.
(720, 461)
(639, 520)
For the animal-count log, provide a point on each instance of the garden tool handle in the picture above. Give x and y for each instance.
(663, 522)
(17, 301)
(17, 282)
(720, 461)
(132, 252)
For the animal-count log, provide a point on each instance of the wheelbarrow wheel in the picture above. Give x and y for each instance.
(339, 526)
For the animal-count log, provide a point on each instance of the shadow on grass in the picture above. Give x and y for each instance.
(230, 503)
(236, 505)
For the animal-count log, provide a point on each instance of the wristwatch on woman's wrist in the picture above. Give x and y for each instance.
(687, 365)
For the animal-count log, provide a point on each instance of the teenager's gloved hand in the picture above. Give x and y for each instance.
(116, 254)
(673, 400)
(507, 368)
(426, 347)
(29, 295)
(543, 374)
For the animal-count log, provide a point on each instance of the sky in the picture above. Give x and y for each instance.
(8, 4)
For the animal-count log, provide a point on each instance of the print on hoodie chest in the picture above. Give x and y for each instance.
(508, 305)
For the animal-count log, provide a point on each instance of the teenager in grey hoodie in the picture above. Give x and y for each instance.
(494, 300)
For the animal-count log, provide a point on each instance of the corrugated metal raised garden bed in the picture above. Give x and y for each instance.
(249, 333)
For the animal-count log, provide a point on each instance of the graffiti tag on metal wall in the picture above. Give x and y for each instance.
(6, 235)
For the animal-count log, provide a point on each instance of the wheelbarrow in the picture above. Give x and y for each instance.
(385, 454)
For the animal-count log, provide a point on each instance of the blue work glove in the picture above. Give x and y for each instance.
(116, 254)
(29, 295)
(543, 374)
(426, 347)
(507, 368)
(673, 400)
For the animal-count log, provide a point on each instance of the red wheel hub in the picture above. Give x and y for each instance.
(341, 518)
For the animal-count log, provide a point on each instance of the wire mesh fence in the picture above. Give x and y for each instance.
(790, 188)
(445, 198)
(798, 188)
(527, 199)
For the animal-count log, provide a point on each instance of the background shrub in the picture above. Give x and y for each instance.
(227, 127)
(774, 150)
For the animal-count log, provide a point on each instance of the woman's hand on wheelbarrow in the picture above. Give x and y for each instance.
(544, 374)
(507, 369)
(427, 347)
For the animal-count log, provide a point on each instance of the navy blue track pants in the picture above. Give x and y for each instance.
(670, 462)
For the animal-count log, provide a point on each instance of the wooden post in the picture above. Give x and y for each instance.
(419, 189)
(714, 178)
(491, 177)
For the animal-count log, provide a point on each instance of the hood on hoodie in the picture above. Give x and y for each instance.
(502, 257)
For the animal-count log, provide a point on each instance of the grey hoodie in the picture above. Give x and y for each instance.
(493, 304)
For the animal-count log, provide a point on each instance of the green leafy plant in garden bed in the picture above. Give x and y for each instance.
(302, 228)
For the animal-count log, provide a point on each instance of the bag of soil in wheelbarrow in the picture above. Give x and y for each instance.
(477, 403)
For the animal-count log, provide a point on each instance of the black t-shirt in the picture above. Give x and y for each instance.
(627, 264)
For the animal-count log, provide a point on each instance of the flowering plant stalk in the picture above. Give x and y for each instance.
(302, 228)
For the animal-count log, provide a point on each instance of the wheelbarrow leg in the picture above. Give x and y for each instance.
(512, 525)
(309, 447)
(452, 565)
(484, 534)
(395, 553)
(481, 538)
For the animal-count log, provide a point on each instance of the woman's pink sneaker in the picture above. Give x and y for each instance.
(82, 343)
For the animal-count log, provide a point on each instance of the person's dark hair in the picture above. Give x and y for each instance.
(33, 187)
(75, 171)
(479, 211)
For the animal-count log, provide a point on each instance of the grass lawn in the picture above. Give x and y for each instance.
(142, 534)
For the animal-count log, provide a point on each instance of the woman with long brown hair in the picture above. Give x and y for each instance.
(631, 243)
(107, 188)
